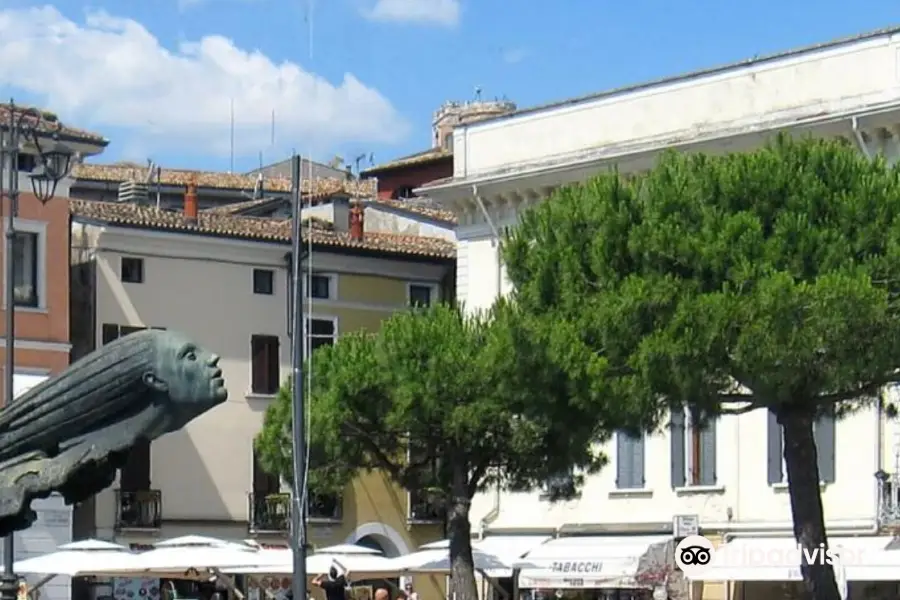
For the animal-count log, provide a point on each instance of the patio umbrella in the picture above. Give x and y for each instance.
(190, 553)
(360, 566)
(77, 557)
(348, 549)
(437, 560)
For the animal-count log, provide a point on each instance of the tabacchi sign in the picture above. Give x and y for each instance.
(576, 566)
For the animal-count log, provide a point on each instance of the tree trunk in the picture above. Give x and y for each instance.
(459, 532)
(801, 462)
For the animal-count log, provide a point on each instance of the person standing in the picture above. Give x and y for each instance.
(336, 585)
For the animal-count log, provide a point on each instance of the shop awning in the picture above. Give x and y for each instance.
(777, 559)
(508, 548)
(585, 562)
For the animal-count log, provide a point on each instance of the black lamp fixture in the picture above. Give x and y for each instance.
(55, 161)
(881, 475)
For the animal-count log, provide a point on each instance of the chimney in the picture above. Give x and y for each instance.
(356, 222)
(190, 202)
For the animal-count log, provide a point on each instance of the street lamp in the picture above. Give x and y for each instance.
(23, 127)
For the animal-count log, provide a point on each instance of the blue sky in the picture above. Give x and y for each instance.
(159, 77)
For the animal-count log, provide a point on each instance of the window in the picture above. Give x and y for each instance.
(265, 369)
(263, 281)
(25, 270)
(420, 294)
(824, 434)
(320, 287)
(629, 461)
(132, 269)
(26, 162)
(693, 451)
(403, 192)
(321, 332)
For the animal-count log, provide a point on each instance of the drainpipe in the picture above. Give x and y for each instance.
(854, 124)
(492, 514)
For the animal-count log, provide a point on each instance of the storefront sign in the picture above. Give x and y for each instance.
(576, 566)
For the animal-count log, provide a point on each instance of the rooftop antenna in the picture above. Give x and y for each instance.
(358, 160)
(272, 140)
(478, 94)
(231, 170)
(371, 159)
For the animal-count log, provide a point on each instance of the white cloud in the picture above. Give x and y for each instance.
(113, 72)
(439, 12)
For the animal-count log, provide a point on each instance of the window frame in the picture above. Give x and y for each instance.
(825, 478)
(622, 486)
(38, 228)
(692, 452)
(254, 391)
(332, 287)
(434, 290)
(138, 260)
(308, 336)
(253, 281)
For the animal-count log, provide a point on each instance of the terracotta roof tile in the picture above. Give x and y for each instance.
(437, 214)
(253, 228)
(419, 158)
(51, 124)
(224, 181)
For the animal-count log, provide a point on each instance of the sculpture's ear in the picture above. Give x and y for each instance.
(152, 381)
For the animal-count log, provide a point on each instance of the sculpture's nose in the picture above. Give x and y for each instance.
(213, 360)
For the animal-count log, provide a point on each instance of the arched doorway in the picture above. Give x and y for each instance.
(384, 539)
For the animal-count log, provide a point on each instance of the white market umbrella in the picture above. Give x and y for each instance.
(86, 556)
(191, 553)
(347, 549)
(360, 566)
(437, 560)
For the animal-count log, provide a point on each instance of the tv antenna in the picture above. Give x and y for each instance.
(358, 160)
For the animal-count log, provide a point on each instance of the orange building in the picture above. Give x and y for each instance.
(41, 291)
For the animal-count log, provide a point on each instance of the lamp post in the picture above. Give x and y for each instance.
(23, 127)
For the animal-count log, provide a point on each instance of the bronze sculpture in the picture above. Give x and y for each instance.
(72, 432)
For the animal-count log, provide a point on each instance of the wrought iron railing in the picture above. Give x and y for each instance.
(425, 507)
(272, 512)
(138, 509)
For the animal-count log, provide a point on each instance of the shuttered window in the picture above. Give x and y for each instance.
(824, 434)
(265, 364)
(629, 461)
(693, 451)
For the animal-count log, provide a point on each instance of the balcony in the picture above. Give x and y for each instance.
(888, 498)
(271, 513)
(139, 510)
(424, 508)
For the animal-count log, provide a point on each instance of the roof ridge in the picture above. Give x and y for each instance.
(263, 229)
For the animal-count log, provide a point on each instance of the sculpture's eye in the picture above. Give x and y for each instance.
(191, 355)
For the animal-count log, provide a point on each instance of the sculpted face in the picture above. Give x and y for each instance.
(189, 373)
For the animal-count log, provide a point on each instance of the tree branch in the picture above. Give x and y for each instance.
(751, 406)
(380, 457)
(869, 389)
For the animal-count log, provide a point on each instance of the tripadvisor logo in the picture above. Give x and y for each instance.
(696, 554)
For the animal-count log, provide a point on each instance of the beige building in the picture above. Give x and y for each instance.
(222, 279)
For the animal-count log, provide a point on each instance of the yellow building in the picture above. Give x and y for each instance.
(222, 278)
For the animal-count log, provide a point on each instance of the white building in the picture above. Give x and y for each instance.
(848, 88)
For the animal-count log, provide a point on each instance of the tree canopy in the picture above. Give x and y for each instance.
(449, 402)
(766, 279)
